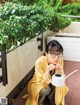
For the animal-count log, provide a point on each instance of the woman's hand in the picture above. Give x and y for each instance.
(50, 67)
(59, 67)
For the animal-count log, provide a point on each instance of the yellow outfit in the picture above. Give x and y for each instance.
(39, 81)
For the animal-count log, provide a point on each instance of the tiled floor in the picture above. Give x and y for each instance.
(73, 96)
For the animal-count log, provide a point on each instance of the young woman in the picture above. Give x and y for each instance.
(40, 85)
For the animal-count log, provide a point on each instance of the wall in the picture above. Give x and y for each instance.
(74, 27)
(19, 62)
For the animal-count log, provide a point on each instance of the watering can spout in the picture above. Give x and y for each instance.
(71, 73)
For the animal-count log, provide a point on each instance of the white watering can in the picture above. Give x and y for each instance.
(58, 79)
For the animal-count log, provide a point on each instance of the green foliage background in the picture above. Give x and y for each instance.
(22, 20)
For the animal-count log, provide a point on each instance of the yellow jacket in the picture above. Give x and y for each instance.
(39, 81)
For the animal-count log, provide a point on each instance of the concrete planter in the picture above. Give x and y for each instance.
(19, 62)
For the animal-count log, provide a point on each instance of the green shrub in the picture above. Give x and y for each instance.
(20, 23)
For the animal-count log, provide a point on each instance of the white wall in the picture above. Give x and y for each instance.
(19, 63)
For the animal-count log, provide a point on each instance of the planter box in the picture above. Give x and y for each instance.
(19, 63)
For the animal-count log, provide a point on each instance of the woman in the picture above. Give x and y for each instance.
(40, 85)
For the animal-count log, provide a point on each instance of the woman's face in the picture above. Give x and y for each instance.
(54, 56)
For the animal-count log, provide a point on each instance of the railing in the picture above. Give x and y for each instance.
(71, 16)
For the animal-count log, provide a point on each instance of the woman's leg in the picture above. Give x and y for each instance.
(43, 93)
(51, 95)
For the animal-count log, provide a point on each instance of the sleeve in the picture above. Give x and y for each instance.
(40, 73)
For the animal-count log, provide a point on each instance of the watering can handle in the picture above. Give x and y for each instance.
(71, 73)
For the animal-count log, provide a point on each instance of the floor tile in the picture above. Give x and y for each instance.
(68, 98)
(76, 93)
(75, 102)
